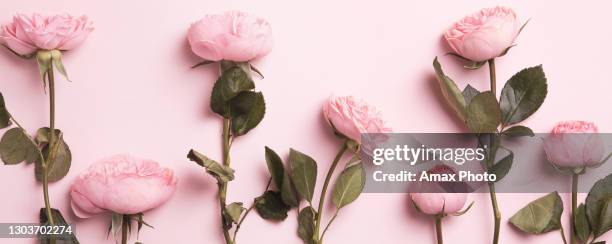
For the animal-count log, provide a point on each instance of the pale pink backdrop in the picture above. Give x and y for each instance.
(133, 92)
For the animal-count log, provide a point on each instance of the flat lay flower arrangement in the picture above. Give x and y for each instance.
(124, 187)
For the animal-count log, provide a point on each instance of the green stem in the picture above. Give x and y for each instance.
(124, 228)
(51, 144)
(496, 213)
(574, 206)
(223, 185)
(439, 229)
(330, 172)
(492, 76)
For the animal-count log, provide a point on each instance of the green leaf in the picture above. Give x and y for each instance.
(275, 167)
(288, 192)
(518, 131)
(58, 219)
(502, 167)
(523, 94)
(234, 210)
(599, 195)
(5, 116)
(468, 93)
(306, 224)
(232, 82)
(58, 157)
(540, 216)
(205, 62)
(247, 110)
(581, 225)
(483, 114)
(219, 171)
(349, 185)
(606, 217)
(303, 173)
(56, 57)
(271, 206)
(450, 91)
(16, 146)
(43, 58)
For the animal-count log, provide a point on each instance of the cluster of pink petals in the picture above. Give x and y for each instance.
(234, 36)
(27, 34)
(121, 184)
(485, 34)
(351, 117)
(574, 144)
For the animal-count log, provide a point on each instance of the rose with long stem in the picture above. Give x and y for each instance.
(574, 146)
(45, 38)
(231, 39)
(480, 38)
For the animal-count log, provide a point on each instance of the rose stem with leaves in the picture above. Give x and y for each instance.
(439, 228)
(330, 172)
(496, 212)
(574, 206)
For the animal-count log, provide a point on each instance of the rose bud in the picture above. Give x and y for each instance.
(485, 34)
(233, 36)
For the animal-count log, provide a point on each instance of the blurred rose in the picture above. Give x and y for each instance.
(351, 117)
(26, 34)
(439, 203)
(485, 34)
(574, 144)
(234, 36)
(121, 184)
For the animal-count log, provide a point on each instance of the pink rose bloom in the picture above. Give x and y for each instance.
(234, 36)
(574, 144)
(439, 203)
(434, 198)
(351, 117)
(121, 184)
(27, 34)
(485, 34)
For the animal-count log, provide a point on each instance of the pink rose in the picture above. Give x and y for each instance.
(440, 197)
(351, 117)
(121, 184)
(574, 144)
(485, 34)
(439, 203)
(27, 34)
(234, 36)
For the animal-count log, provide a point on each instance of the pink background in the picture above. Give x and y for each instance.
(133, 92)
